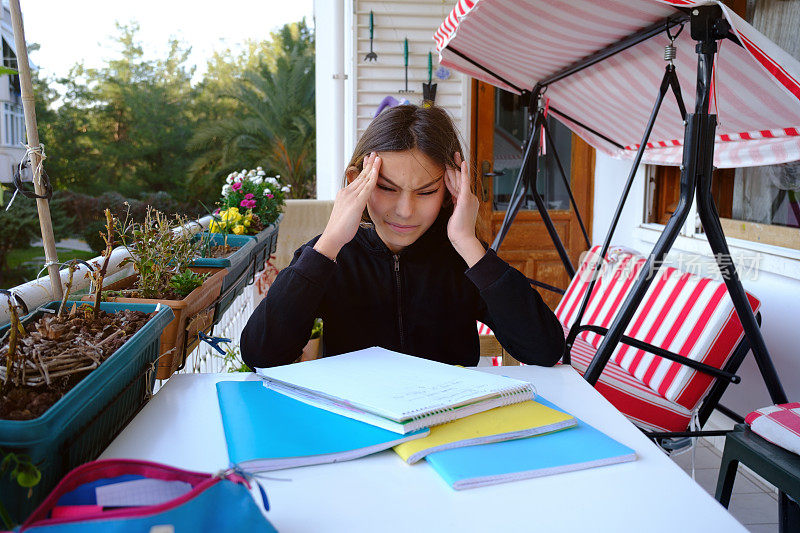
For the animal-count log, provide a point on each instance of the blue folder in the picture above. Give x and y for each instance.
(266, 430)
(575, 448)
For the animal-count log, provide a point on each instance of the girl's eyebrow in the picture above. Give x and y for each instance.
(393, 184)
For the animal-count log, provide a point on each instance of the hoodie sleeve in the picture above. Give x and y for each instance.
(522, 322)
(281, 324)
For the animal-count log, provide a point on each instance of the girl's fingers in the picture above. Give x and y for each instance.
(449, 182)
(465, 177)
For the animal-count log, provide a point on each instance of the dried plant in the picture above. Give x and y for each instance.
(160, 248)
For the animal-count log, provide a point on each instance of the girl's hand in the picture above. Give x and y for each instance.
(347, 209)
(461, 226)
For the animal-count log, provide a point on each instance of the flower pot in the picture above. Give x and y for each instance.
(266, 244)
(239, 266)
(193, 314)
(79, 426)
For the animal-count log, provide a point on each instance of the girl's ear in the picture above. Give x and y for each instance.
(351, 173)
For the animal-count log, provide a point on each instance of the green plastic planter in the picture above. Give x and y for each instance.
(266, 244)
(237, 264)
(78, 427)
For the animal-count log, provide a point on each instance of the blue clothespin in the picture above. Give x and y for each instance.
(213, 341)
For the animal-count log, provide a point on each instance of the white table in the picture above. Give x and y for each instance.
(182, 426)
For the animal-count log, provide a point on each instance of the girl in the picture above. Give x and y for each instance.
(399, 264)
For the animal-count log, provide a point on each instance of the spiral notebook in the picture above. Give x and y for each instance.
(394, 391)
(520, 420)
(265, 430)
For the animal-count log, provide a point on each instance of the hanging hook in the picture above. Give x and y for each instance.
(673, 37)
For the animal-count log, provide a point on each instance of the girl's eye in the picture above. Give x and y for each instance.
(427, 193)
(385, 188)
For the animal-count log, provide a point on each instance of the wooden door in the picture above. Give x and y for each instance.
(499, 128)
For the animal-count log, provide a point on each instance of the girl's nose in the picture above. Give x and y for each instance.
(405, 205)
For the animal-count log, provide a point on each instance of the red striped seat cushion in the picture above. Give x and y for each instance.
(683, 313)
(643, 406)
(689, 315)
(619, 271)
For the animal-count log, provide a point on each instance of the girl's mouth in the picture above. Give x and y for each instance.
(401, 228)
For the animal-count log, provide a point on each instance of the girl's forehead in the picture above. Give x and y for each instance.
(409, 168)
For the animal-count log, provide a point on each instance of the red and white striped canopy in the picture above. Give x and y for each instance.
(756, 86)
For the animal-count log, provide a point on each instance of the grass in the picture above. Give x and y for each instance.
(19, 272)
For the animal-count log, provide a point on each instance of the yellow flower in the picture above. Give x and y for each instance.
(214, 227)
(231, 215)
(238, 229)
(248, 218)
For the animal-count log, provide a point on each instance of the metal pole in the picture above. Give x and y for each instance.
(29, 108)
(666, 83)
(565, 180)
(697, 160)
(519, 192)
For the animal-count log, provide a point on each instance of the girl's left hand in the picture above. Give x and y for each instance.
(461, 226)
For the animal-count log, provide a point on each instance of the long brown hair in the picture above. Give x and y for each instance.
(428, 129)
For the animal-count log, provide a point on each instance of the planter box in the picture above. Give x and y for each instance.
(193, 314)
(78, 427)
(266, 244)
(239, 266)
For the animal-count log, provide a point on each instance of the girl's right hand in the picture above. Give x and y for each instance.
(347, 209)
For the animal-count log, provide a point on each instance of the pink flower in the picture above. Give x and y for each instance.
(216, 211)
(244, 203)
(270, 195)
(249, 196)
(236, 186)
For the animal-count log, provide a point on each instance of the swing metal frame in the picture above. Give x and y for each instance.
(708, 26)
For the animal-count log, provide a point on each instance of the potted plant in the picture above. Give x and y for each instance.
(252, 204)
(72, 375)
(231, 252)
(161, 250)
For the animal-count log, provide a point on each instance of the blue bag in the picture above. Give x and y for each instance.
(121, 495)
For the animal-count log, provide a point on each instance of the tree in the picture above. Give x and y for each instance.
(273, 124)
(122, 127)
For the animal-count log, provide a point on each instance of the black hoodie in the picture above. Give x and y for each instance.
(423, 301)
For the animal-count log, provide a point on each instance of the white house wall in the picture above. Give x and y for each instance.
(778, 292)
(368, 83)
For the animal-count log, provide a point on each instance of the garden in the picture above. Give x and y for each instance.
(157, 231)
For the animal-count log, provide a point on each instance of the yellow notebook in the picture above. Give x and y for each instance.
(515, 421)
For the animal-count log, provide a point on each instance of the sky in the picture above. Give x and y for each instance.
(69, 32)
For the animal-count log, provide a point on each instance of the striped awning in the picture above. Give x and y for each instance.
(513, 44)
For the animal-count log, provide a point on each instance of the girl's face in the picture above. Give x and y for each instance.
(407, 198)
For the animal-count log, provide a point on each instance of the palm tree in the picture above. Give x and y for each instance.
(273, 126)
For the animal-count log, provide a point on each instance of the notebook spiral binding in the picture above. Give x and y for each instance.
(422, 418)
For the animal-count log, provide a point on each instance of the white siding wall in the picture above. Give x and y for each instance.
(368, 83)
(394, 21)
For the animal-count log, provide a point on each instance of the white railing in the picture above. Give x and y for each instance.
(205, 358)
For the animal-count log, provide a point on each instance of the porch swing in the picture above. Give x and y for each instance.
(614, 45)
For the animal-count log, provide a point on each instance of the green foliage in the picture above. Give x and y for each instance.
(272, 123)
(124, 126)
(21, 226)
(159, 250)
(21, 470)
(316, 331)
(232, 360)
(187, 281)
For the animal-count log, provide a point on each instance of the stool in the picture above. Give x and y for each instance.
(778, 466)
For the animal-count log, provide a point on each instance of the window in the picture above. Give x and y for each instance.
(13, 124)
(510, 133)
(758, 204)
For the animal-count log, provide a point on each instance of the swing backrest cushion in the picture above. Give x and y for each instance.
(681, 312)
